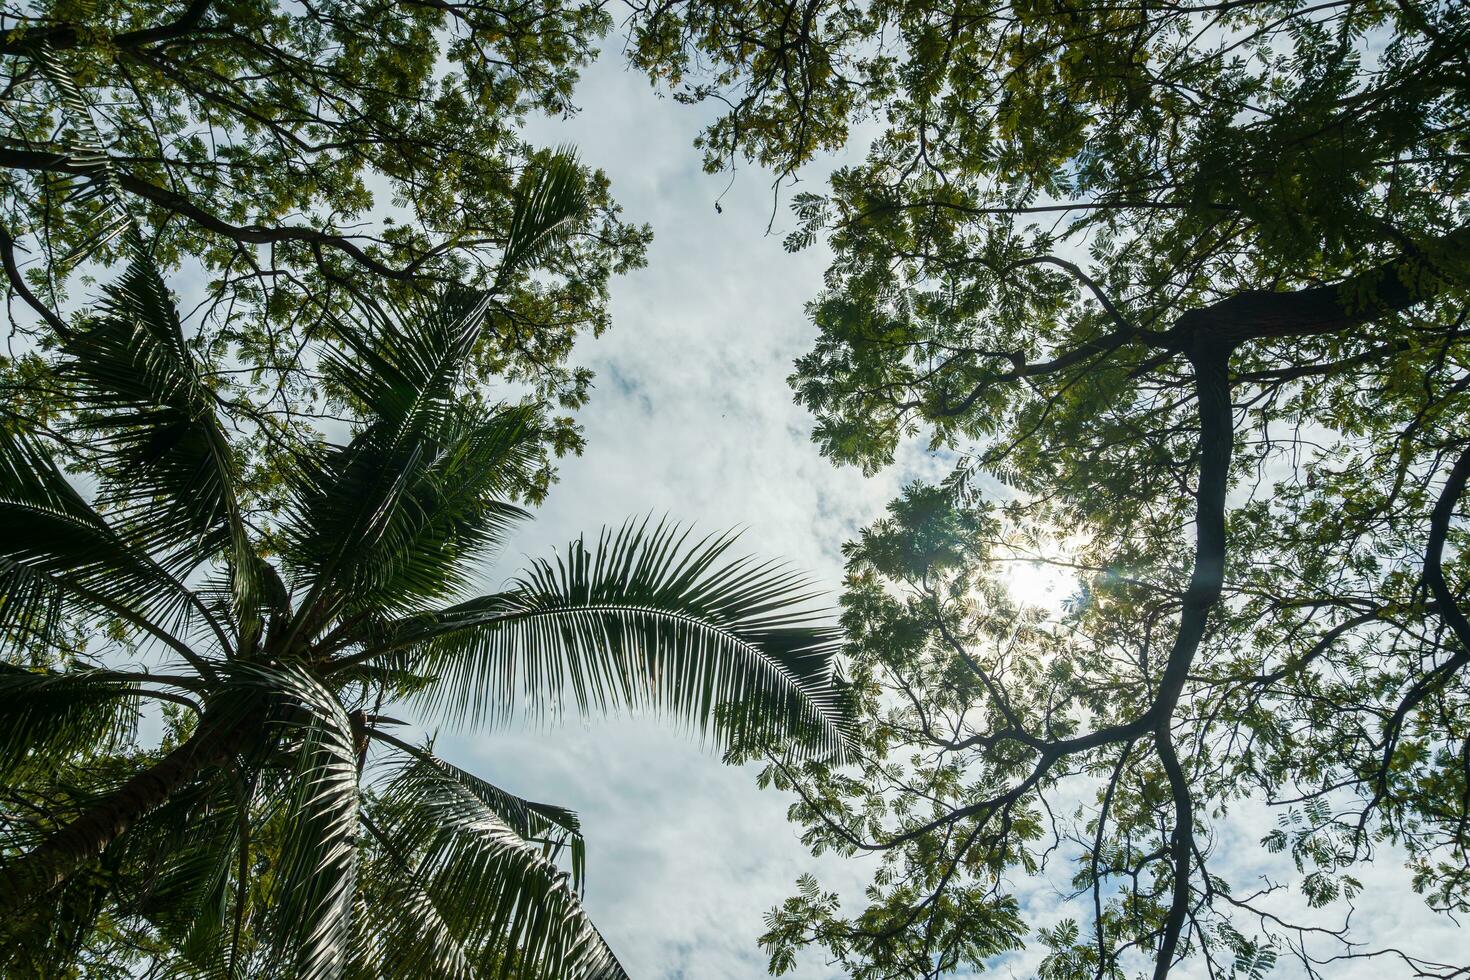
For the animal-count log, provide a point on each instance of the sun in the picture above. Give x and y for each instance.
(1039, 583)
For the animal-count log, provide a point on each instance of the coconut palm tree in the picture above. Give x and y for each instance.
(285, 826)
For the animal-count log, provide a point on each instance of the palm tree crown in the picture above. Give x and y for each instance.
(284, 829)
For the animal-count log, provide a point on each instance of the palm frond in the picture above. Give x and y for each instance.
(199, 881)
(422, 483)
(548, 198)
(647, 621)
(136, 368)
(513, 910)
(171, 471)
(179, 865)
(554, 827)
(50, 719)
(405, 365)
(308, 927)
(400, 932)
(387, 522)
(404, 374)
(57, 552)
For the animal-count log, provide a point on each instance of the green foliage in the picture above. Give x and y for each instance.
(1042, 171)
(280, 829)
(1188, 285)
(61, 716)
(309, 162)
(733, 658)
(139, 396)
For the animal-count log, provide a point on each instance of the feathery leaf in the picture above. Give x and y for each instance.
(648, 620)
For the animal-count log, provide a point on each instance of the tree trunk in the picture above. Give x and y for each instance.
(27, 879)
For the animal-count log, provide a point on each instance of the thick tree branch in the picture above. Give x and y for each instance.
(23, 290)
(1449, 611)
(1439, 528)
(1390, 287)
(181, 205)
(69, 35)
(1211, 362)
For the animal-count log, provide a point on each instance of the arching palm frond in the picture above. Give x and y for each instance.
(172, 474)
(514, 912)
(307, 928)
(403, 369)
(554, 827)
(58, 553)
(393, 518)
(51, 719)
(133, 366)
(202, 877)
(648, 620)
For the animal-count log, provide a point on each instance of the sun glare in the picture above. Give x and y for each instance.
(1039, 583)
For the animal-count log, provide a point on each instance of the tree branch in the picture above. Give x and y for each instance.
(68, 35)
(34, 160)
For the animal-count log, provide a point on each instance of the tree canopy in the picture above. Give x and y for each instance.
(1187, 283)
(304, 160)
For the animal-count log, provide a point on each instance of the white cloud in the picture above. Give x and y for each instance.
(691, 417)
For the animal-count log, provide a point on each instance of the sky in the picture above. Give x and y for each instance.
(692, 418)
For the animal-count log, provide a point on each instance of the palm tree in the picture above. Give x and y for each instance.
(283, 828)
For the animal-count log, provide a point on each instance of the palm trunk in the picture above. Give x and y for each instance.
(26, 880)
